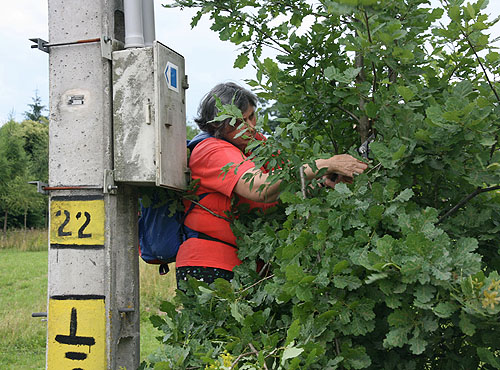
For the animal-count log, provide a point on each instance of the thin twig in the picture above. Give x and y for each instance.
(257, 283)
(209, 210)
(239, 358)
(374, 168)
(337, 346)
(494, 147)
(356, 118)
(256, 354)
(465, 200)
(464, 34)
(481, 64)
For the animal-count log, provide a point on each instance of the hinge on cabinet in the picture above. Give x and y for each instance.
(185, 83)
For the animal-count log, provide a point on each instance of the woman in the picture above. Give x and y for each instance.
(210, 252)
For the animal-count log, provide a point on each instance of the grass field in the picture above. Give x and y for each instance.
(23, 290)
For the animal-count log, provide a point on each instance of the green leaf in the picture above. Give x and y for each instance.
(356, 357)
(467, 327)
(346, 281)
(488, 357)
(424, 293)
(471, 11)
(340, 266)
(405, 92)
(488, 141)
(492, 57)
(241, 61)
(351, 73)
(287, 197)
(294, 273)
(429, 324)
(235, 312)
(399, 153)
(404, 196)
(333, 73)
(462, 90)
(371, 109)
(292, 332)
(343, 189)
(444, 309)
(454, 13)
(291, 352)
(435, 114)
(396, 337)
(157, 321)
(417, 345)
(375, 277)
(467, 244)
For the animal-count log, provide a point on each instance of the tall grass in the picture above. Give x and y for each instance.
(30, 240)
(23, 290)
(154, 288)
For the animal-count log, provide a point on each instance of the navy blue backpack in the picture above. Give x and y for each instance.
(160, 232)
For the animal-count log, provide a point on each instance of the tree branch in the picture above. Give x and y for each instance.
(239, 358)
(465, 200)
(363, 127)
(481, 64)
(303, 182)
(374, 70)
(256, 353)
(352, 115)
(466, 37)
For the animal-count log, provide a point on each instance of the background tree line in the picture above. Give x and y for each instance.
(24, 158)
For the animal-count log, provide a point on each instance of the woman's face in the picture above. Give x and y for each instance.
(248, 127)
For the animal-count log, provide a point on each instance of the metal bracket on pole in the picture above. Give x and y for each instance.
(109, 182)
(106, 45)
(39, 314)
(40, 44)
(40, 186)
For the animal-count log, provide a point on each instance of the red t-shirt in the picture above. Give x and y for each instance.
(206, 163)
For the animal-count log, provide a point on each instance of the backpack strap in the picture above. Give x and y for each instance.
(190, 233)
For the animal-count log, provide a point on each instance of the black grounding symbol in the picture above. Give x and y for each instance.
(73, 340)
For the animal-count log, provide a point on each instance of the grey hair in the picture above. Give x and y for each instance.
(225, 92)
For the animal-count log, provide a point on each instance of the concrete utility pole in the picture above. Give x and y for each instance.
(93, 290)
(115, 115)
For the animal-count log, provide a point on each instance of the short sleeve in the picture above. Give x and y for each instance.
(208, 160)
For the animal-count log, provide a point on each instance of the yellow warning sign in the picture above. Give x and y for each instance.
(76, 333)
(77, 221)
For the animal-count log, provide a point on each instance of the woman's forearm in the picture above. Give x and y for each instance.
(343, 164)
(251, 189)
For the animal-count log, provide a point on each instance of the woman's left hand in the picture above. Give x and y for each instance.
(339, 178)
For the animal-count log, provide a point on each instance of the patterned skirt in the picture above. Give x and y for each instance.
(205, 274)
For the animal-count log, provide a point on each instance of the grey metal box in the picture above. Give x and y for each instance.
(149, 117)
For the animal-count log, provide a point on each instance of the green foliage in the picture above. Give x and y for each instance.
(36, 110)
(23, 158)
(191, 131)
(397, 270)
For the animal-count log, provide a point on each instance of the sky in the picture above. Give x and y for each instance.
(24, 71)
